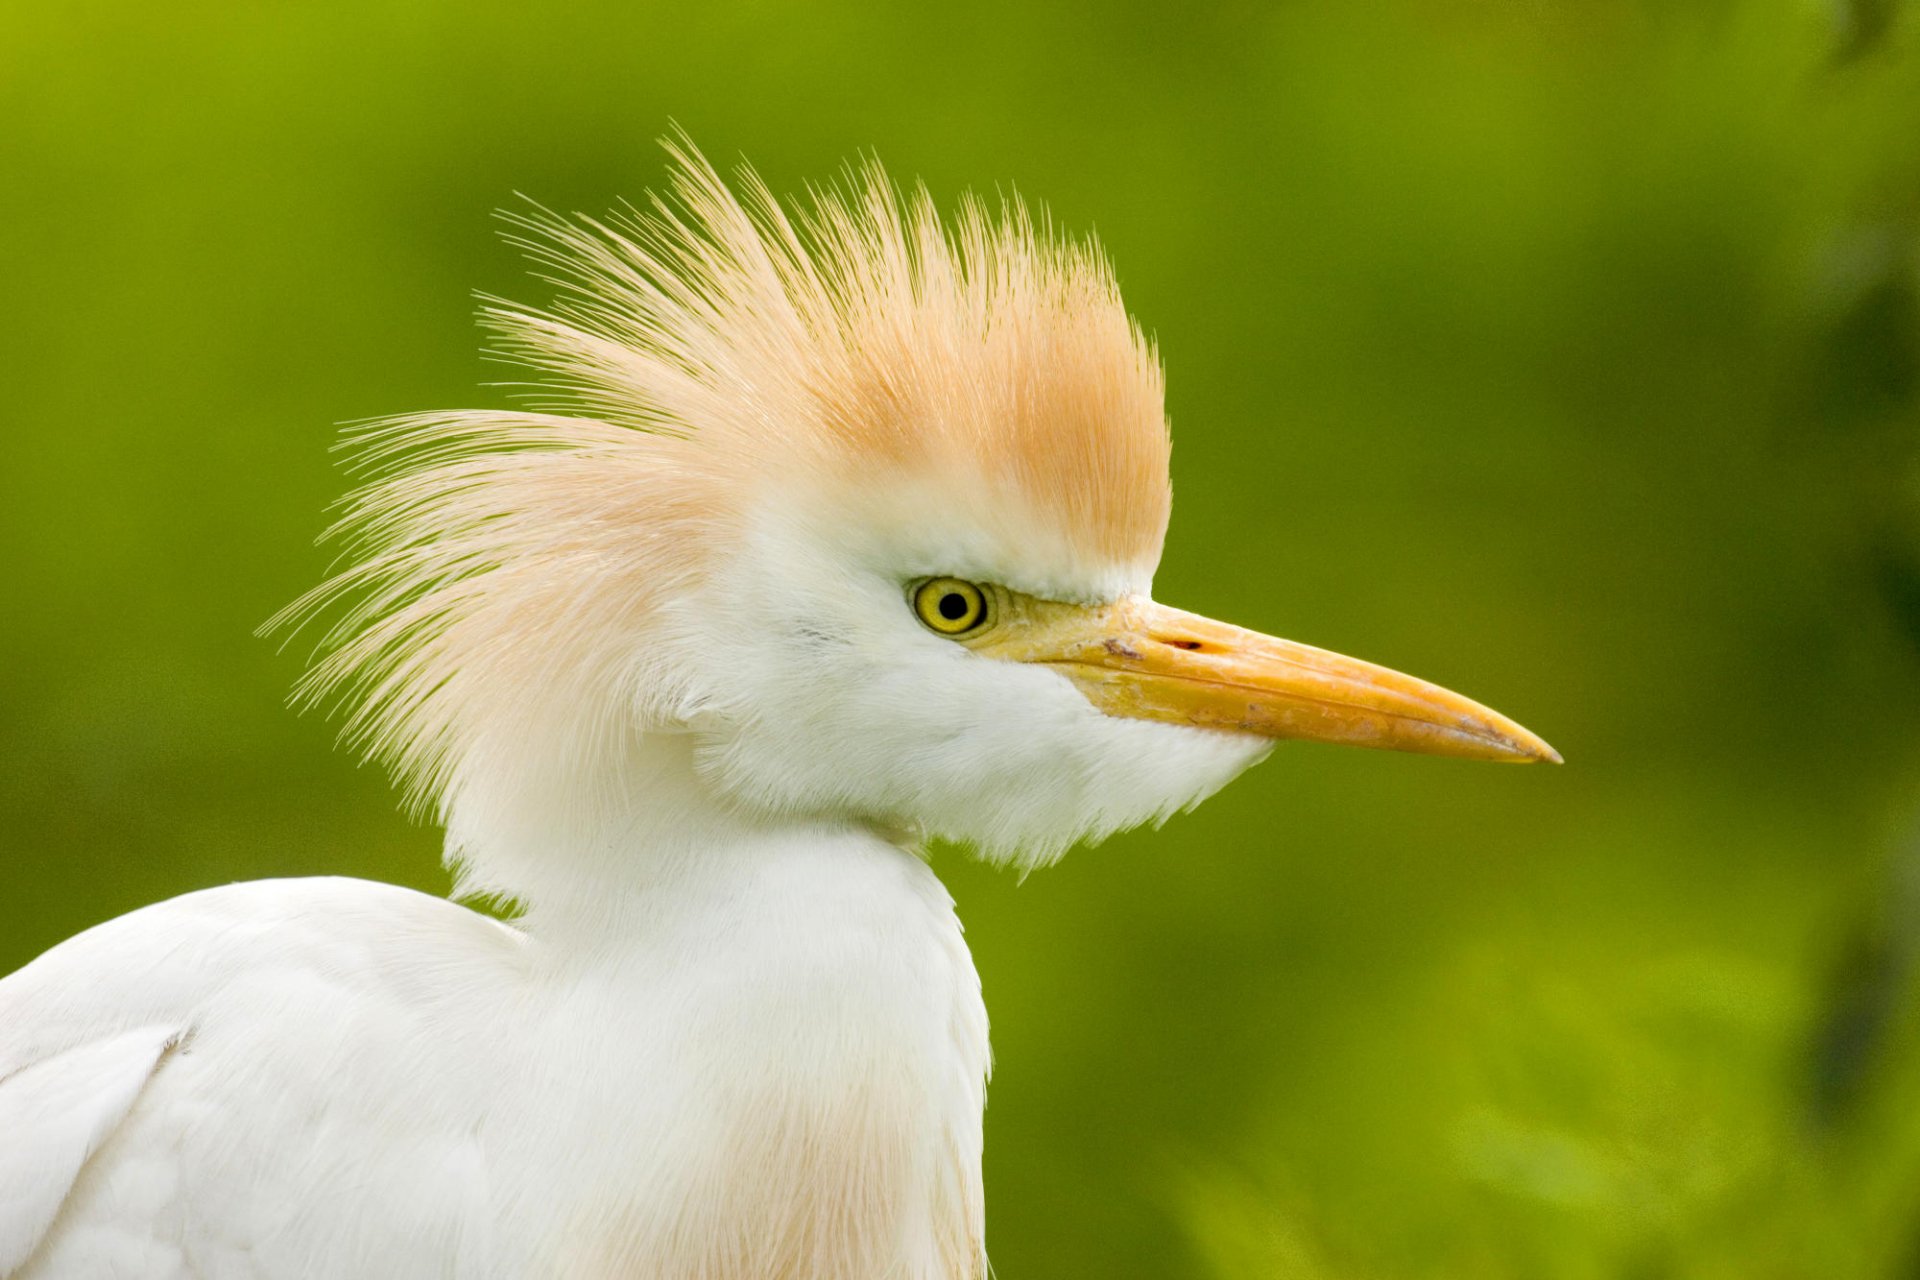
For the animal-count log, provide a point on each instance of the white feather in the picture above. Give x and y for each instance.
(768, 1062)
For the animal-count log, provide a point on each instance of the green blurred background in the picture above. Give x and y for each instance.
(1568, 354)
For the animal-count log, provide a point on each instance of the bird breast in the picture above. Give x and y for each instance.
(799, 1089)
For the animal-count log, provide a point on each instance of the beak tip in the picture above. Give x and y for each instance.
(1530, 749)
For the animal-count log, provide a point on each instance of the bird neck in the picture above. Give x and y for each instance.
(593, 847)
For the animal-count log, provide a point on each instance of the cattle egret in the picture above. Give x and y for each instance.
(834, 535)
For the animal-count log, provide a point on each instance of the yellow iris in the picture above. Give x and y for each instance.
(950, 606)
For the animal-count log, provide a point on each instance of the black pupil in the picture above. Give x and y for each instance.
(953, 606)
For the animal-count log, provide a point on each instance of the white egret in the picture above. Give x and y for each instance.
(836, 537)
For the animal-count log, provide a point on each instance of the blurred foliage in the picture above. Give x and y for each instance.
(1567, 353)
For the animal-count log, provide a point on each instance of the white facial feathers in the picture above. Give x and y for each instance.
(764, 420)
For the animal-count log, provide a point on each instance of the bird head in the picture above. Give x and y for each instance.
(863, 505)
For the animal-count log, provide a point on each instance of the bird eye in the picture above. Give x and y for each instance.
(950, 606)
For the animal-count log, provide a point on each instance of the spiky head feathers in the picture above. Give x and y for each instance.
(720, 369)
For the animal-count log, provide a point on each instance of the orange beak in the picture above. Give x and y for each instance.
(1139, 659)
